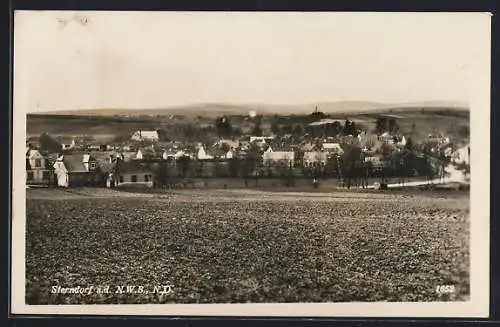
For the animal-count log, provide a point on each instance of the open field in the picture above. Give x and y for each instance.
(247, 246)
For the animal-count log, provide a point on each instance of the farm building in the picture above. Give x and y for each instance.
(439, 139)
(309, 146)
(67, 143)
(168, 155)
(146, 154)
(376, 162)
(386, 138)
(231, 144)
(145, 136)
(333, 148)
(462, 155)
(315, 157)
(351, 140)
(203, 155)
(37, 172)
(260, 139)
(367, 140)
(130, 174)
(278, 157)
(76, 170)
(229, 155)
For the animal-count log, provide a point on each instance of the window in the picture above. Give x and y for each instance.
(134, 178)
(146, 178)
(46, 175)
(122, 179)
(30, 175)
(38, 163)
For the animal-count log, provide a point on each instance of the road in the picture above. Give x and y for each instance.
(455, 176)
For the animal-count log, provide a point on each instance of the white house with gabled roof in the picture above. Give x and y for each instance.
(145, 136)
(203, 155)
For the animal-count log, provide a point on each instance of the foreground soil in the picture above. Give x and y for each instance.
(246, 246)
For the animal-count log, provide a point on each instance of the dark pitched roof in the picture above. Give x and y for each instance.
(74, 163)
(147, 151)
(134, 167)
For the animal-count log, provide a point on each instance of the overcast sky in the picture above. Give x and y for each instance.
(152, 60)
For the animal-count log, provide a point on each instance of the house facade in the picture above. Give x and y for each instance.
(145, 136)
(76, 170)
(332, 148)
(376, 162)
(315, 157)
(386, 138)
(130, 174)
(203, 155)
(37, 170)
(67, 144)
(278, 157)
(260, 139)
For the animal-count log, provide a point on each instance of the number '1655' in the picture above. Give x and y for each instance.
(442, 289)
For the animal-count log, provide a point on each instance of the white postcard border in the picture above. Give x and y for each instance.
(477, 306)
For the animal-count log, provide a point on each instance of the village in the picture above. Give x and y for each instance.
(351, 156)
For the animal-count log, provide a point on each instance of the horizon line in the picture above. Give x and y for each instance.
(456, 104)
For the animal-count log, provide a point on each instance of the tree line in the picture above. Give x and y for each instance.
(350, 168)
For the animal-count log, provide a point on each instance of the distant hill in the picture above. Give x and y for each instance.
(416, 119)
(217, 109)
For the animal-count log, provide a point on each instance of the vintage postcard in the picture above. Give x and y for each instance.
(251, 164)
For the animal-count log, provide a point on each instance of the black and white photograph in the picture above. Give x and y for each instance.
(258, 163)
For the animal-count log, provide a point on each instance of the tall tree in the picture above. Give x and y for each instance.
(183, 164)
(234, 167)
(298, 131)
(49, 144)
(162, 135)
(350, 161)
(381, 125)
(299, 158)
(287, 129)
(257, 130)
(318, 114)
(224, 148)
(337, 127)
(413, 128)
(347, 127)
(223, 127)
(409, 144)
(251, 163)
(161, 174)
(350, 128)
(393, 126)
(275, 128)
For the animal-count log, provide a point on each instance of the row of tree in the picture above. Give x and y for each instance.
(350, 167)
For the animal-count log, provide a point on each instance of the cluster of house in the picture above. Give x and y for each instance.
(126, 164)
(72, 169)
